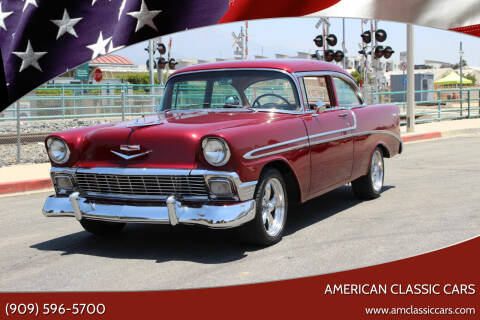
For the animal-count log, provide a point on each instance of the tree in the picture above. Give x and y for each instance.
(471, 77)
(357, 76)
(457, 65)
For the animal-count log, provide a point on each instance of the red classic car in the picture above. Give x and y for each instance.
(234, 144)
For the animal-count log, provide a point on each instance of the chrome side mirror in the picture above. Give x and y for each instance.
(232, 101)
(320, 107)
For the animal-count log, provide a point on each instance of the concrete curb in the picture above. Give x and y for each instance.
(23, 186)
(421, 136)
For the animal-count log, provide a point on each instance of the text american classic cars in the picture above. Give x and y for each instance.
(234, 145)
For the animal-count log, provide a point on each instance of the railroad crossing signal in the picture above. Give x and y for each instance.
(378, 51)
(238, 43)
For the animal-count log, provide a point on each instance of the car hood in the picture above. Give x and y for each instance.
(171, 140)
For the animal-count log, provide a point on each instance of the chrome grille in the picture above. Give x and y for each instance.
(142, 185)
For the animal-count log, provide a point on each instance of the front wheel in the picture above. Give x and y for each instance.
(370, 185)
(271, 211)
(101, 228)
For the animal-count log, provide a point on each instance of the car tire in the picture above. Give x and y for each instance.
(101, 228)
(370, 185)
(271, 200)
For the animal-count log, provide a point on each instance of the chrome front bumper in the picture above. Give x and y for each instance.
(173, 212)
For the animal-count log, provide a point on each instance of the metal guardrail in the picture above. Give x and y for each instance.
(68, 101)
(436, 105)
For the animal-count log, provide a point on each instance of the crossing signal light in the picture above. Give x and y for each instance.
(162, 63)
(366, 37)
(378, 53)
(387, 52)
(161, 48)
(380, 35)
(329, 55)
(318, 41)
(172, 63)
(148, 64)
(331, 40)
(339, 55)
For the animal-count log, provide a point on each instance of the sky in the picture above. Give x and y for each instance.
(289, 35)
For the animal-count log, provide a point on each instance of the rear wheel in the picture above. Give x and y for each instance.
(101, 228)
(370, 185)
(271, 211)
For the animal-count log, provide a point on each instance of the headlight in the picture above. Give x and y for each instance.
(58, 150)
(216, 151)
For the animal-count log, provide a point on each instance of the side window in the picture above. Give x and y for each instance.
(345, 93)
(272, 93)
(189, 95)
(316, 90)
(223, 93)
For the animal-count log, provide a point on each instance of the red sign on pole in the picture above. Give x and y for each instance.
(97, 75)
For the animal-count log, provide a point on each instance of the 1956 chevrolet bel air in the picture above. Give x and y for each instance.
(234, 145)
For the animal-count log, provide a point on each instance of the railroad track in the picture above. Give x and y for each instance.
(26, 137)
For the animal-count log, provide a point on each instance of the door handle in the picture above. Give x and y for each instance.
(343, 115)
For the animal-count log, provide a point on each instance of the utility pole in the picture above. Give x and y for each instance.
(410, 79)
(246, 39)
(343, 44)
(461, 79)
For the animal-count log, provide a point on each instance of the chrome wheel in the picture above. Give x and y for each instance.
(376, 170)
(273, 207)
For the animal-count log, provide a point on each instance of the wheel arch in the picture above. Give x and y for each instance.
(383, 147)
(291, 179)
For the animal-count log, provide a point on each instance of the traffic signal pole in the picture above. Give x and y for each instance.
(160, 70)
(151, 62)
(410, 80)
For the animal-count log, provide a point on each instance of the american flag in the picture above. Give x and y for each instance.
(41, 39)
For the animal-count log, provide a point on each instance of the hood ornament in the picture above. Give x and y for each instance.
(129, 148)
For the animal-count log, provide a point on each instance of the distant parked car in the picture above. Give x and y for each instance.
(234, 145)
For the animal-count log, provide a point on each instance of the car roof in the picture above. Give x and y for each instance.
(289, 65)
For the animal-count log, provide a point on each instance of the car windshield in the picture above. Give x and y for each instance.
(230, 89)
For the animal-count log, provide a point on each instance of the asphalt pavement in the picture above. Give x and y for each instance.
(430, 200)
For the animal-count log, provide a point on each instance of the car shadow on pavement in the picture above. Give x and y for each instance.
(323, 207)
(164, 243)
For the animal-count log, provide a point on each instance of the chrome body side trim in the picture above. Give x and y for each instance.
(249, 155)
(171, 212)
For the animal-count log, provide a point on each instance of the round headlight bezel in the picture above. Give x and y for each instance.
(224, 147)
(50, 143)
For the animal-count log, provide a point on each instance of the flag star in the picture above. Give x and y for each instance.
(98, 48)
(144, 17)
(29, 57)
(27, 2)
(111, 48)
(3, 16)
(66, 25)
